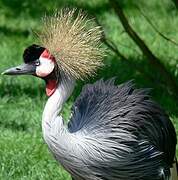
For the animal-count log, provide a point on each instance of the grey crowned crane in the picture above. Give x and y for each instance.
(116, 132)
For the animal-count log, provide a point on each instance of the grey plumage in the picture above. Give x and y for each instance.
(116, 133)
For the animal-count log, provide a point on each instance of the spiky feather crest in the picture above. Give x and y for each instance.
(74, 41)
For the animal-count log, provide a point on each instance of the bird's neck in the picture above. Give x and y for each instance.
(55, 103)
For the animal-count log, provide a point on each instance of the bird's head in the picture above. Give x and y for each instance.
(70, 45)
(40, 63)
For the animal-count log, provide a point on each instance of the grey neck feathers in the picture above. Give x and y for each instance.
(55, 103)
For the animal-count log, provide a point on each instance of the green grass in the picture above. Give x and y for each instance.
(23, 153)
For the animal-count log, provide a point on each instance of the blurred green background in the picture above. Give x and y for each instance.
(23, 153)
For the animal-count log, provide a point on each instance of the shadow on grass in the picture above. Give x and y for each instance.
(14, 126)
(14, 32)
(28, 8)
(17, 89)
(38, 8)
(113, 68)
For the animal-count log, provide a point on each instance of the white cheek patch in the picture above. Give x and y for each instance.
(45, 68)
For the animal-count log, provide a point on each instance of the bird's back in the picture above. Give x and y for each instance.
(125, 135)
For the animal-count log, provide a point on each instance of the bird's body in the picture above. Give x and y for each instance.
(115, 133)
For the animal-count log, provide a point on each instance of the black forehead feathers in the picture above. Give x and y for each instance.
(32, 53)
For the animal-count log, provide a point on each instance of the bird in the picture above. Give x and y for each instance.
(115, 132)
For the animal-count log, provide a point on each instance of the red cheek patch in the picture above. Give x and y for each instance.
(46, 54)
(51, 86)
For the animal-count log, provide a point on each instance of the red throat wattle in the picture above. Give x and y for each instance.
(51, 86)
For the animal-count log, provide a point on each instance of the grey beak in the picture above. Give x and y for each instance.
(21, 70)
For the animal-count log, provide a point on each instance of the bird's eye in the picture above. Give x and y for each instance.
(37, 63)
